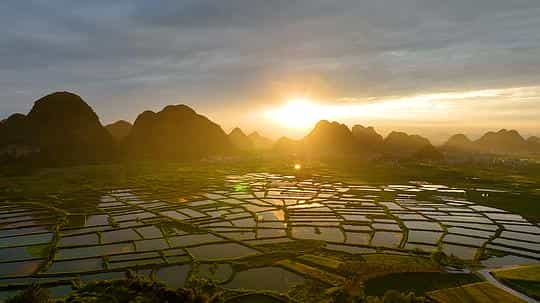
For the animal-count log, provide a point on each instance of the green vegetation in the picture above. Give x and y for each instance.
(312, 272)
(521, 182)
(378, 265)
(131, 290)
(530, 288)
(525, 279)
(419, 283)
(139, 290)
(325, 262)
(443, 259)
(33, 294)
(136, 290)
(391, 296)
(526, 273)
(38, 251)
(481, 292)
(54, 183)
(306, 225)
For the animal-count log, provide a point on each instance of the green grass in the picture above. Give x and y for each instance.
(326, 262)
(312, 272)
(530, 288)
(419, 283)
(481, 292)
(380, 265)
(526, 273)
(525, 279)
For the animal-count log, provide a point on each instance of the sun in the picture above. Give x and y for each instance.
(298, 113)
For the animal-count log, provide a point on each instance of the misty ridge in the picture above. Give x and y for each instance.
(62, 128)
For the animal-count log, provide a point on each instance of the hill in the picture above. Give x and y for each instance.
(260, 142)
(428, 153)
(14, 130)
(239, 140)
(119, 130)
(534, 144)
(400, 144)
(459, 143)
(330, 139)
(175, 133)
(502, 142)
(60, 128)
(367, 137)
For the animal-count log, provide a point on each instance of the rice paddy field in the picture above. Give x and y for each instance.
(525, 279)
(481, 292)
(276, 231)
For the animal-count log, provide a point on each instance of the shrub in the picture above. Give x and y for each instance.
(33, 294)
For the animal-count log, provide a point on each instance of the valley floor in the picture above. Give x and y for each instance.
(335, 230)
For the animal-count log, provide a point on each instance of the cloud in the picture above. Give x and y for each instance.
(209, 53)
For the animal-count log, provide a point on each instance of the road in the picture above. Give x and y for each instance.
(489, 278)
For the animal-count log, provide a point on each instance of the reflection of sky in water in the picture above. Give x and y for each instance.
(128, 228)
(19, 268)
(279, 215)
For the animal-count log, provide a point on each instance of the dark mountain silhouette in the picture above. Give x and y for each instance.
(400, 144)
(335, 139)
(428, 152)
(119, 130)
(60, 128)
(260, 142)
(367, 137)
(459, 143)
(534, 144)
(330, 138)
(502, 142)
(15, 140)
(239, 140)
(178, 133)
(14, 130)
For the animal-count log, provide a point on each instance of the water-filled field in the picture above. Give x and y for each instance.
(211, 232)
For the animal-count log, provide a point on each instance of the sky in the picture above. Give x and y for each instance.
(432, 67)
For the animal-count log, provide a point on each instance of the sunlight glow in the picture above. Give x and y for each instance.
(297, 113)
(303, 114)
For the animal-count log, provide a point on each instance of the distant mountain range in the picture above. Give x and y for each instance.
(62, 128)
(335, 139)
(504, 142)
(251, 142)
(260, 142)
(239, 140)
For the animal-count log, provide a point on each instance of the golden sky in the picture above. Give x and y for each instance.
(432, 67)
(436, 115)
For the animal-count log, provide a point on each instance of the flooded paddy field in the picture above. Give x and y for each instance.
(256, 231)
